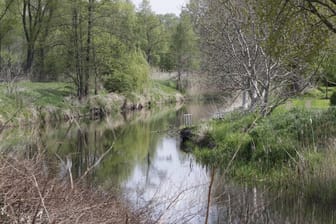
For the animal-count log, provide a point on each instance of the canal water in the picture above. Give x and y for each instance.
(138, 155)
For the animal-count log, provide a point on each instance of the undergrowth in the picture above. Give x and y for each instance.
(272, 149)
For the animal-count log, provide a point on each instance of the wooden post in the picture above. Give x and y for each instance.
(187, 119)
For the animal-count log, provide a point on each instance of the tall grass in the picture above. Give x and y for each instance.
(274, 147)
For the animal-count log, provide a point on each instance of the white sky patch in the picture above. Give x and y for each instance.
(165, 6)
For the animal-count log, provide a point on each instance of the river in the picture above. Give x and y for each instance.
(138, 156)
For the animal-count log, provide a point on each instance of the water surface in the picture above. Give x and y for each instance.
(140, 157)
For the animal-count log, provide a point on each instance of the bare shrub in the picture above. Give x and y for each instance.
(29, 194)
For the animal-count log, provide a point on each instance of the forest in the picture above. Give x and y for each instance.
(113, 113)
(92, 43)
(261, 47)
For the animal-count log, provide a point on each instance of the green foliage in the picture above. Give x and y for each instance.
(184, 46)
(169, 85)
(274, 145)
(130, 73)
(87, 42)
(230, 139)
(321, 178)
(235, 121)
(314, 99)
(31, 102)
(329, 68)
(150, 33)
(273, 151)
(333, 99)
(293, 38)
(234, 145)
(163, 91)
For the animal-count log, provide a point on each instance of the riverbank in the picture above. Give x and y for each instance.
(29, 194)
(25, 102)
(292, 147)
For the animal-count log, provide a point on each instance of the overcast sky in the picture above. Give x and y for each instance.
(165, 6)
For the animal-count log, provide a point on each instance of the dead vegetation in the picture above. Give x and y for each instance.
(30, 194)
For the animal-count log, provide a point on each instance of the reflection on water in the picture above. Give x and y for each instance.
(239, 204)
(171, 182)
(149, 169)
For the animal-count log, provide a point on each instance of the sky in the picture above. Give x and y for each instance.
(165, 6)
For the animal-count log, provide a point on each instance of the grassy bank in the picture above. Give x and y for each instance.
(27, 102)
(291, 147)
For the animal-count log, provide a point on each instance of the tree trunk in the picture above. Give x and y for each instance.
(39, 68)
(95, 72)
(34, 18)
(149, 56)
(77, 50)
(1, 69)
(29, 58)
(179, 80)
(88, 48)
(326, 85)
(245, 101)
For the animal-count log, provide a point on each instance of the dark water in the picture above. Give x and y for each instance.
(145, 164)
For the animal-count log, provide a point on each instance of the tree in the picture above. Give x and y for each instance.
(36, 14)
(169, 23)
(80, 41)
(89, 42)
(77, 50)
(184, 48)
(236, 40)
(324, 10)
(4, 8)
(9, 35)
(121, 63)
(80, 47)
(150, 33)
(329, 67)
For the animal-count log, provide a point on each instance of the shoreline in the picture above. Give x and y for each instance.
(29, 194)
(19, 111)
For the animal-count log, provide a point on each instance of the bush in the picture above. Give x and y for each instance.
(231, 140)
(333, 99)
(274, 143)
(128, 75)
(275, 151)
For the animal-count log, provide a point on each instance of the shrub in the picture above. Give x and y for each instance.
(236, 146)
(333, 99)
(128, 75)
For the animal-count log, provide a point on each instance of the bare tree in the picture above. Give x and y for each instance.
(234, 45)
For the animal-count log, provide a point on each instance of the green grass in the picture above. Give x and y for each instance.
(170, 85)
(313, 99)
(48, 99)
(274, 148)
(163, 90)
(292, 149)
(164, 86)
(38, 94)
(310, 103)
(22, 101)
